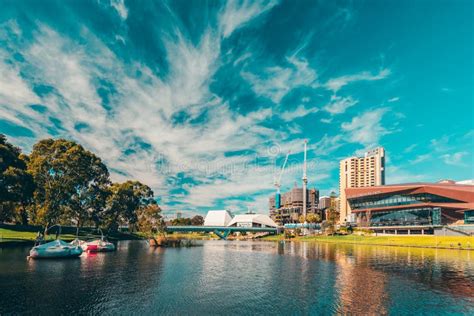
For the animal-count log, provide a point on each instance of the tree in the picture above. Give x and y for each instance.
(197, 220)
(149, 219)
(331, 217)
(71, 182)
(16, 184)
(313, 218)
(125, 202)
(185, 221)
(301, 219)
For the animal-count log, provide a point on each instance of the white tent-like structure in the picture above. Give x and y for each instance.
(218, 218)
(252, 220)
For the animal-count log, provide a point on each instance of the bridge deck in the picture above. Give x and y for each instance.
(209, 229)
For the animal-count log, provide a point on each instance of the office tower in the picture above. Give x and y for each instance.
(359, 172)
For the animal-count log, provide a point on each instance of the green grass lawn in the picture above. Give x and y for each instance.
(18, 236)
(13, 235)
(463, 242)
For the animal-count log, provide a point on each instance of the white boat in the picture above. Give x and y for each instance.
(99, 245)
(55, 249)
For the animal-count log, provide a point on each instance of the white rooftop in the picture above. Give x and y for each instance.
(261, 219)
(217, 218)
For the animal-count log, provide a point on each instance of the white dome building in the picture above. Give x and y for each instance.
(252, 220)
(218, 218)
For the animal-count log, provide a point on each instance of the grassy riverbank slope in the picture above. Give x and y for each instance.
(446, 242)
(15, 236)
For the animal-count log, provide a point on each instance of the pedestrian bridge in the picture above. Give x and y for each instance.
(221, 231)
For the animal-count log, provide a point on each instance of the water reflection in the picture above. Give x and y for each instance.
(242, 278)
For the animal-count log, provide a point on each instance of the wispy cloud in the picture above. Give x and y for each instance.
(367, 128)
(119, 5)
(394, 99)
(455, 159)
(420, 158)
(339, 105)
(276, 81)
(300, 111)
(336, 84)
(237, 13)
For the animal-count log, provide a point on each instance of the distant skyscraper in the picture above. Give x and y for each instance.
(358, 172)
(324, 202)
(292, 205)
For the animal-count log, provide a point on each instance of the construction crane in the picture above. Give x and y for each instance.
(305, 182)
(278, 183)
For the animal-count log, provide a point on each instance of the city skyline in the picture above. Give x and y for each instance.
(202, 103)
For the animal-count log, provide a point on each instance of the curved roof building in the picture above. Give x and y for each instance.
(413, 204)
(252, 220)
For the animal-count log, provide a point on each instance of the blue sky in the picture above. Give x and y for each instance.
(201, 100)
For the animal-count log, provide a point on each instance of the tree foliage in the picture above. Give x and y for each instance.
(197, 220)
(71, 181)
(184, 221)
(150, 220)
(125, 202)
(16, 184)
(60, 182)
(313, 218)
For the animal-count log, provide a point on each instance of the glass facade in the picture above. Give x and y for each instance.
(469, 217)
(394, 200)
(410, 217)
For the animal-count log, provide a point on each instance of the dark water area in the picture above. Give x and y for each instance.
(241, 277)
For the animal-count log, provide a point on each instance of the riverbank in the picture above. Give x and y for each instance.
(441, 242)
(15, 237)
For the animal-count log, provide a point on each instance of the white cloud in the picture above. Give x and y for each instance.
(410, 148)
(367, 128)
(300, 111)
(339, 105)
(275, 82)
(15, 95)
(420, 158)
(327, 144)
(119, 6)
(236, 14)
(336, 84)
(455, 159)
(144, 108)
(394, 99)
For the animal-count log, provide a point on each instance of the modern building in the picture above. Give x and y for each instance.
(413, 208)
(218, 218)
(252, 220)
(360, 172)
(292, 205)
(324, 202)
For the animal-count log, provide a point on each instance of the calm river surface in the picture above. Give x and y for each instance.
(241, 277)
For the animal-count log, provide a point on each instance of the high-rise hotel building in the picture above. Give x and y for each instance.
(359, 172)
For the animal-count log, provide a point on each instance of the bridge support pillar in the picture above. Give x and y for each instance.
(222, 234)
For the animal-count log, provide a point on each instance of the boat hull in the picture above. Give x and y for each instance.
(55, 249)
(98, 246)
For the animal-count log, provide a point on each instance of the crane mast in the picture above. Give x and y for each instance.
(305, 181)
(278, 182)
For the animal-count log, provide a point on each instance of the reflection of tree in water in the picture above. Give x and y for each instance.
(95, 283)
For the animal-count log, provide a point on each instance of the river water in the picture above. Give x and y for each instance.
(242, 278)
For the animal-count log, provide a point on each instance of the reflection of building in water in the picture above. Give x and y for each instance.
(361, 288)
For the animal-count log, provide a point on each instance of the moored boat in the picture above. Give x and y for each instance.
(55, 249)
(99, 245)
